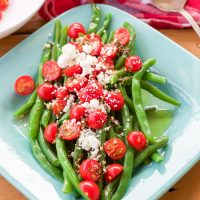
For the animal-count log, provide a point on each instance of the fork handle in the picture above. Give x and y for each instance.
(190, 19)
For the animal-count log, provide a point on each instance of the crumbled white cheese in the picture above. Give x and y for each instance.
(69, 103)
(87, 48)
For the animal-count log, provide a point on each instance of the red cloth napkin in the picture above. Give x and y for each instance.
(142, 9)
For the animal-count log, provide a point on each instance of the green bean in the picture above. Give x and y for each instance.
(106, 23)
(63, 118)
(111, 133)
(95, 19)
(117, 75)
(35, 116)
(150, 76)
(47, 149)
(46, 117)
(137, 99)
(121, 60)
(57, 173)
(46, 54)
(54, 53)
(111, 36)
(110, 189)
(141, 156)
(63, 36)
(128, 158)
(159, 94)
(26, 106)
(67, 186)
(57, 31)
(66, 165)
(104, 37)
(156, 157)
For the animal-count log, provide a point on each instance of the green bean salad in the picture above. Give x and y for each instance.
(87, 124)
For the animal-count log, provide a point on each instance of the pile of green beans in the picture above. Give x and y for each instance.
(54, 158)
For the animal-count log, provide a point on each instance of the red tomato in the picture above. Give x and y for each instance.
(58, 106)
(69, 130)
(90, 170)
(91, 189)
(115, 100)
(46, 91)
(107, 62)
(77, 111)
(61, 93)
(96, 119)
(122, 35)
(137, 140)
(133, 64)
(75, 29)
(77, 45)
(51, 71)
(3, 4)
(24, 85)
(74, 84)
(109, 50)
(71, 71)
(50, 132)
(95, 42)
(92, 90)
(112, 171)
(115, 148)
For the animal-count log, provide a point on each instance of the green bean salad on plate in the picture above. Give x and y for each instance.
(88, 125)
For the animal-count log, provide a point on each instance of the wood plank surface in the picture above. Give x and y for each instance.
(185, 189)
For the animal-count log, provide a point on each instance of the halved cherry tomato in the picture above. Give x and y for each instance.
(58, 106)
(107, 62)
(115, 148)
(93, 90)
(112, 171)
(95, 42)
(69, 130)
(46, 91)
(91, 189)
(51, 71)
(96, 119)
(75, 29)
(109, 50)
(24, 85)
(90, 170)
(122, 35)
(3, 5)
(115, 100)
(61, 93)
(73, 70)
(133, 64)
(50, 132)
(137, 140)
(77, 111)
(74, 84)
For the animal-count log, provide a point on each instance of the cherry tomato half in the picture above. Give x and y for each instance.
(107, 62)
(122, 35)
(91, 189)
(61, 93)
(115, 100)
(77, 111)
(46, 91)
(69, 130)
(58, 106)
(51, 71)
(24, 85)
(115, 148)
(90, 170)
(93, 90)
(50, 132)
(112, 171)
(96, 119)
(95, 42)
(133, 64)
(73, 70)
(3, 4)
(137, 140)
(74, 84)
(75, 29)
(109, 50)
